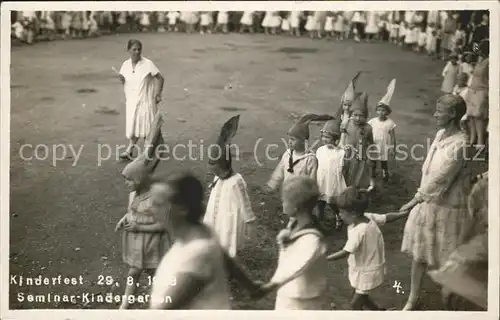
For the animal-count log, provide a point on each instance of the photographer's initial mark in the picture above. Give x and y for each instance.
(398, 287)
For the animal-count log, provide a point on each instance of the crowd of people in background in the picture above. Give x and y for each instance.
(437, 33)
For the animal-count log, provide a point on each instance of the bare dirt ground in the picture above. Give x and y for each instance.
(65, 93)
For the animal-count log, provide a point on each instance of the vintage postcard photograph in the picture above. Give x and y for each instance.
(331, 157)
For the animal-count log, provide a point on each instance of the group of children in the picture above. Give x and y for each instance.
(423, 31)
(338, 174)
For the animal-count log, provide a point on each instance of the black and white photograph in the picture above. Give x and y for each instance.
(221, 156)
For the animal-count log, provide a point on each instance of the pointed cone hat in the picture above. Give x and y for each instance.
(386, 99)
(300, 129)
(219, 152)
(350, 93)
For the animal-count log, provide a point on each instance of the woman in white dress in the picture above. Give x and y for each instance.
(194, 273)
(142, 94)
(439, 214)
(228, 210)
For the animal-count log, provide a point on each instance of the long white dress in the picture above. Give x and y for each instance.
(228, 212)
(139, 94)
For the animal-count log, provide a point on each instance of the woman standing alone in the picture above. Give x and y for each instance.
(142, 94)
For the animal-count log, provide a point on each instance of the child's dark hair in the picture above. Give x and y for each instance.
(133, 42)
(353, 200)
(188, 193)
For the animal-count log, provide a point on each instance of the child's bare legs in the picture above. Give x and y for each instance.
(311, 34)
(133, 274)
(361, 301)
(224, 28)
(297, 32)
(418, 270)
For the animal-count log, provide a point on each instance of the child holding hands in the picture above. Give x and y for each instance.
(301, 274)
(364, 249)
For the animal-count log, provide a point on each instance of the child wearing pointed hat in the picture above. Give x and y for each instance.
(297, 159)
(344, 113)
(358, 141)
(330, 178)
(146, 231)
(384, 134)
(229, 210)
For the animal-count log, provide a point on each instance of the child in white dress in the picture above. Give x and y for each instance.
(266, 22)
(301, 275)
(205, 22)
(285, 25)
(297, 160)
(403, 31)
(431, 41)
(145, 21)
(384, 134)
(422, 38)
(294, 19)
(372, 28)
(222, 20)
(93, 26)
(311, 25)
(228, 210)
(329, 24)
(18, 30)
(394, 32)
(365, 248)
(330, 177)
(449, 74)
(161, 21)
(339, 26)
(246, 22)
(275, 23)
(172, 17)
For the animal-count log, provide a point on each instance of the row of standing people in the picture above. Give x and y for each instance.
(420, 29)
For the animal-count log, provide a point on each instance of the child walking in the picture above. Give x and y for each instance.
(384, 134)
(297, 160)
(301, 275)
(330, 177)
(358, 139)
(365, 248)
(449, 74)
(146, 235)
(228, 210)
